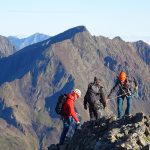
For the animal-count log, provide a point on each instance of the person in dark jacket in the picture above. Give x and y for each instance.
(95, 99)
(124, 86)
(70, 114)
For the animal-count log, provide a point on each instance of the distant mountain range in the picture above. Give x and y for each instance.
(23, 42)
(32, 79)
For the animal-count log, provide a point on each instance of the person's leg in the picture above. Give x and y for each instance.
(91, 113)
(64, 132)
(129, 105)
(96, 111)
(120, 106)
(72, 127)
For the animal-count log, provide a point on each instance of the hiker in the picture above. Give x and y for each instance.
(69, 113)
(124, 86)
(95, 99)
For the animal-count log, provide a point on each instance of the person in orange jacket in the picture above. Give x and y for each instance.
(70, 114)
(124, 86)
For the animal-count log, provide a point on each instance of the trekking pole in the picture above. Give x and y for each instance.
(117, 96)
(121, 95)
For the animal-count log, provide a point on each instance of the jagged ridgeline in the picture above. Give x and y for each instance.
(32, 79)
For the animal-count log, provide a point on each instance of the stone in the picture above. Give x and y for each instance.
(141, 141)
(119, 135)
(147, 147)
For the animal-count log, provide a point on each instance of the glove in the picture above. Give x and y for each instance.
(136, 88)
(78, 125)
(85, 107)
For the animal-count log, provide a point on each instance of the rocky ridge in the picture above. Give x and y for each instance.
(128, 133)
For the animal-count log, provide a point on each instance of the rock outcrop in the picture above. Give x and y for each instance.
(108, 133)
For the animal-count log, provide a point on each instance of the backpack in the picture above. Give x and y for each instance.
(59, 106)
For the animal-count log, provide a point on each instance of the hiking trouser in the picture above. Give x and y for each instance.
(94, 113)
(66, 124)
(129, 105)
(120, 106)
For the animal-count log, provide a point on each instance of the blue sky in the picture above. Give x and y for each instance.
(125, 18)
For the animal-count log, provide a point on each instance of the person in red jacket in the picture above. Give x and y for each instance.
(70, 114)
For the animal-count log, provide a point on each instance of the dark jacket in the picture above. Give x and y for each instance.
(124, 89)
(94, 96)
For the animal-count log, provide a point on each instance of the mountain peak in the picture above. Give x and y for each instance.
(117, 38)
(37, 35)
(72, 31)
(77, 29)
(141, 43)
(68, 34)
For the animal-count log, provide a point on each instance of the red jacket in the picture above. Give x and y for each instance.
(68, 107)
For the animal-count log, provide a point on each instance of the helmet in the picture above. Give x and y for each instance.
(78, 92)
(122, 76)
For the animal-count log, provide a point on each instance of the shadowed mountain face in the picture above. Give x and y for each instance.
(21, 43)
(6, 48)
(32, 79)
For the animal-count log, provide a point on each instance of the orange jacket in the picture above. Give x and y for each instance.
(68, 107)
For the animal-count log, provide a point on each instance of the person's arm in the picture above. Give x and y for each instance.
(103, 100)
(135, 82)
(85, 100)
(72, 112)
(113, 89)
(135, 90)
(86, 96)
